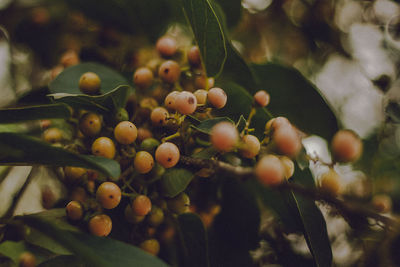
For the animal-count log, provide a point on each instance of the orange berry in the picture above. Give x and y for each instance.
(224, 136)
(103, 147)
(382, 203)
(89, 83)
(287, 140)
(261, 98)
(269, 170)
(100, 225)
(166, 46)
(69, 58)
(53, 135)
(141, 205)
(186, 103)
(346, 146)
(217, 97)
(74, 210)
(159, 116)
(251, 146)
(143, 133)
(201, 96)
(27, 259)
(108, 195)
(151, 246)
(330, 182)
(143, 78)
(167, 155)
(125, 132)
(169, 71)
(143, 162)
(170, 99)
(90, 124)
(288, 165)
(193, 56)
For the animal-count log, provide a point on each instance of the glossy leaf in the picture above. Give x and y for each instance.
(194, 237)
(113, 253)
(206, 126)
(18, 149)
(50, 111)
(63, 261)
(13, 250)
(294, 97)
(208, 31)
(175, 181)
(68, 80)
(232, 10)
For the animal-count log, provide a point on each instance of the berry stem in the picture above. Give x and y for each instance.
(170, 137)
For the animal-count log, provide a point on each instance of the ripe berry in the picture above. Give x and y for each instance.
(166, 46)
(224, 136)
(151, 246)
(100, 225)
(143, 78)
(125, 132)
(90, 124)
(179, 204)
(130, 217)
(346, 146)
(217, 97)
(193, 56)
(69, 58)
(269, 170)
(167, 154)
(330, 182)
(288, 166)
(141, 205)
(169, 71)
(186, 103)
(74, 210)
(143, 133)
(156, 216)
(89, 83)
(251, 146)
(53, 135)
(202, 82)
(103, 147)
(382, 203)
(276, 123)
(159, 116)
(261, 98)
(287, 140)
(108, 195)
(73, 174)
(27, 259)
(169, 101)
(143, 162)
(201, 96)
(48, 197)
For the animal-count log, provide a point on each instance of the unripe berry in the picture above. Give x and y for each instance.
(143, 78)
(100, 225)
(132, 218)
(74, 210)
(151, 246)
(261, 98)
(169, 71)
(103, 147)
(382, 203)
(251, 146)
(141, 205)
(166, 46)
(90, 124)
(224, 136)
(288, 166)
(156, 216)
(73, 174)
(143, 162)
(167, 155)
(346, 146)
(201, 96)
(27, 259)
(159, 116)
(108, 195)
(193, 56)
(89, 83)
(287, 140)
(330, 182)
(217, 97)
(150, 145)
(53, 135)
(269, 170)
(179, 204)
(125, 132)
(121, 115)
(186, 103)
(170, 99)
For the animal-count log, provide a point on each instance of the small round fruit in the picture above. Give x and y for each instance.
(74, 210)
(90, 124)
(287, 140)
(167, 154)
(125, 132)
(251, 146)
(224, 136)
(143, 78)
(143, 133)
(53, 135)
(103, 147)
(261, 98)
(100, 225)
(130, 217)
(276, 123)
(150, 145)
(156, 216)
(269, 170)
(169, 101)
(141, 205)
(179, 204)
(89, 83)
(382, 203)
(108, 195)
(288, 165)
(151, 246)
(217, 97)
(330, 183)
(193, 56)
(159, 116)
(69, 58)
(121, 115)
(27, 259)
(346, 146)
(186, 103)
(201, 96)
(202, 82)
(166, 46)
(169, 71)
(48, 197)
(74, 173)
(143, 162)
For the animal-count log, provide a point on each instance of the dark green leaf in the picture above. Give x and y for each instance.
(195, 246)
(68, 80)
(34, 113)
(13, 250)
(175, 181)
(206, 153)
(294, 97)
(18, 149)
(63, 261)
(206, 126)
(232, 10)
(208, 32)
(106, 104)
(95, 251)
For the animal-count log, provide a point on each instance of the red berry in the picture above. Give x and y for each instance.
(224, 136)
(217, 97)
(346, 146)
(186, 103)
(167, 155)
(166, 46)
(108, 195)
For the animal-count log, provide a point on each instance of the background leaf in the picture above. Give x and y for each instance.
(63, 261)
(232, 10)
(175, 181)
(18, 149)
(50, 111)
(13, 250)
(206, 125)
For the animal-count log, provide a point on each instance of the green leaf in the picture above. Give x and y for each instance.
(13, 250)
(68, 80)
(195, 243)
(63, 261)
(294, 97)
(208, 31)
(34, 113)
(19, 149)
(232, 10)
(95, 251)
(106, 104)
(206, 126)
(175, 181)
